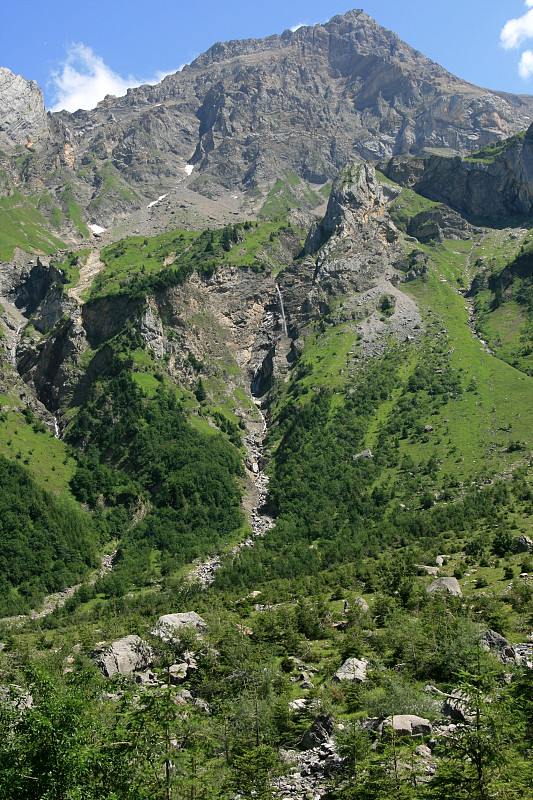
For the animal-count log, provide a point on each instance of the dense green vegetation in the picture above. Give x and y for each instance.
(137, 265)
(46, 544)
(143, 454)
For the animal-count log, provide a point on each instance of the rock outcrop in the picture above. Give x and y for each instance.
(124, 656)
(169, 626)
(493, 185)
(23, 119)
(353, 669)
(445, 585)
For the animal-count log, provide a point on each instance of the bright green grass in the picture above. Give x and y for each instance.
(407, 205)
(23, 226)
(258, 246)
(138, 255)
(46, 457)
(73, 211)
(492, 151)
(496, 407)
(71, 269)
(148, 383)
(504, 329)
(289, 192)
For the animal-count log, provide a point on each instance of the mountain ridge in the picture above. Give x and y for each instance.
(246, 114)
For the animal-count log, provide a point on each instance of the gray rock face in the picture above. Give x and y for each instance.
(505, 652)
(126, 655)
(353, 669)
(496, 643)
(447, 585)
(486, 189)
(244, 113)
(23, 117)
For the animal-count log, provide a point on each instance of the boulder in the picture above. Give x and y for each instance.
(363, 454)
(124, 656)
(177, 673)
(169, 626)
(361, 602)
(427, 569)
(492, 642)
(447, 585)
(406, 725)
(353, 669)
(522, 544)
(456, 707)
(318, 733)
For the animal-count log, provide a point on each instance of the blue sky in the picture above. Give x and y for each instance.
(79, 50)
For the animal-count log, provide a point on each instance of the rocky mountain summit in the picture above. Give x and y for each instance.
(244, 115)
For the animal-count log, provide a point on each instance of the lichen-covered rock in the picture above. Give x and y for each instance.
(406, 725)
(522, 544)
(169, 625)
(353, 669)
(318, 733)
(124, 656)
(445, 585)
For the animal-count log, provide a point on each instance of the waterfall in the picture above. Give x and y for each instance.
(283, 320)
(14, 347)
(56, 428)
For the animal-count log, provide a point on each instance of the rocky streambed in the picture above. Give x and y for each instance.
(260, 522)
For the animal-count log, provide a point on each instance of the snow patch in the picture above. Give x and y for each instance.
(155, 202)
(96, 229)
(188, 168)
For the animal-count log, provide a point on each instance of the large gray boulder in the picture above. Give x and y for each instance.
(406, 725)
(445, 585)
(353, 669)
(169, 626)
(126, 655)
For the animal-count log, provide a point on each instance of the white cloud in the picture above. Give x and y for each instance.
(84, 80)
(516, 31)
(525, 68)
(310, 24)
